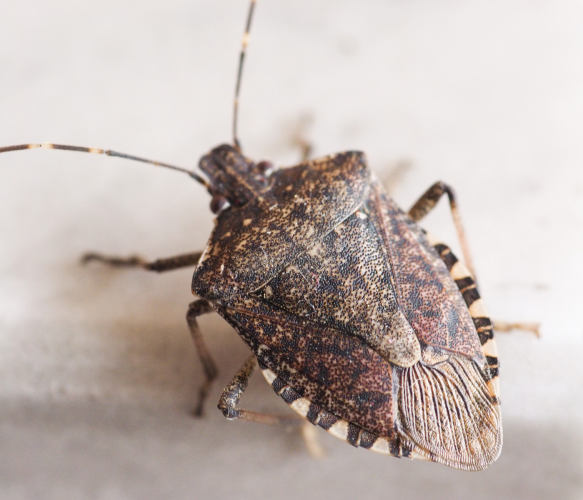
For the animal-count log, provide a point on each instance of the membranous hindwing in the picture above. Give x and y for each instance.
(355, 318)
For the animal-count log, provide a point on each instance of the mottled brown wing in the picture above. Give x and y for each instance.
(357, 313)
(336, 371)
(426, 292)
(440, 409)
(343, 282)
(301, 204)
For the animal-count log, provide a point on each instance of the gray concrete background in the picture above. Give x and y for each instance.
(97, 370)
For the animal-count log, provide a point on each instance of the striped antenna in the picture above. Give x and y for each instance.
(240, 73)
(108, 152)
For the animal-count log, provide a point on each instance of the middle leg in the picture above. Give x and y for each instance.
(196, 309)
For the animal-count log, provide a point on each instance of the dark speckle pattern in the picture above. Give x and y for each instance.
(339, 294)
(343, 282)
(289, 395)
(367, 439)
(278, 385)
(327, 420)
(353, 434)
(274, 219)
(426, 291)
(337, 372)
(482, 324)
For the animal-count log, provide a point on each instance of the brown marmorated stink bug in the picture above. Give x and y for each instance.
(365, 324)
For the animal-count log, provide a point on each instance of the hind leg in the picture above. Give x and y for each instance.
(232, 395)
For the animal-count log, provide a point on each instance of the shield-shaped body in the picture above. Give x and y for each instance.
(365, 325)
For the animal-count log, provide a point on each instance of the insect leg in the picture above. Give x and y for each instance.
(397, 171)
(423, 206)
(300, 137)
(233, 392)
(158, 265)
(309, 433)
(503, 326)
(196, 309)
(427, 202)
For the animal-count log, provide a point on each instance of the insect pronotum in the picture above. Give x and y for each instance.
(364, 323)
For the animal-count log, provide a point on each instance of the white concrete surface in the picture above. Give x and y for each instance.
(97, 371)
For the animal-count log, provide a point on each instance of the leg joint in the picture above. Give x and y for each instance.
(198, 308)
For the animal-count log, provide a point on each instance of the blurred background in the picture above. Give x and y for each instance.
(98, 374)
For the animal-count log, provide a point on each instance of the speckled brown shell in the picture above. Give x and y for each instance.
(253, 243)
(362, 322)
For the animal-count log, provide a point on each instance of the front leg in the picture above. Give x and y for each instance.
(196, 309)
(159, 265)
(506, 327)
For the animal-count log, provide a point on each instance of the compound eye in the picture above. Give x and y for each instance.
(265, 167)
(218, 203)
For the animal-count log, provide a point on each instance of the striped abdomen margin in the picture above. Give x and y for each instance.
(338, 427)
(357, 436)
(467, 286)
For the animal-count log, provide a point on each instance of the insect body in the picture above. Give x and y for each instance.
(365, 325)
(362, 322)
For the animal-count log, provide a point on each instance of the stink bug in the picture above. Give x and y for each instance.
(362, 322)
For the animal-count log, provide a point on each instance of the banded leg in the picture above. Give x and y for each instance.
(233, 392)
(306, 148)
(427, 202)
(506, 327)
(310, 435)
(159, 265)
(466, 280)
(196, 309)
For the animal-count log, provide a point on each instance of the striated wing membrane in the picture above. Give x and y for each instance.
(448, 412)
(443, 412)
